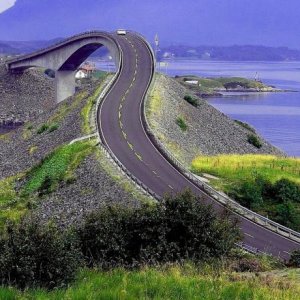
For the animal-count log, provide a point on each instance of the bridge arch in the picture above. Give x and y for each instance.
(65, 57)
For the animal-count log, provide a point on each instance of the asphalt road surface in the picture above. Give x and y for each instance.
(121, 127)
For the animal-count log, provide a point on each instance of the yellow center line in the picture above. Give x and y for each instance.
(130, 145)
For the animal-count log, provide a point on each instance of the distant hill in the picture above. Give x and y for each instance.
(22, 47)
(231, 53)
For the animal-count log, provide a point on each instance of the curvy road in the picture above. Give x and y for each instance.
(121, 128)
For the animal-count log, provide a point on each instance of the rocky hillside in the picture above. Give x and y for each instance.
(189, 131)
(25, 96)
(38, 167)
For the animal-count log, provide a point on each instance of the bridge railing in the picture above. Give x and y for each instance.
(219, 197)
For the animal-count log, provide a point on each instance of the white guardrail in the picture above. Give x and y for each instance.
(221, 198)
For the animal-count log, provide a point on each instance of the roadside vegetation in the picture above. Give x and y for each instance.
(191, 100)
(90, 103)
(181, 123)
(267, 184)
(170, 282)
(20, 192)
(175, 230)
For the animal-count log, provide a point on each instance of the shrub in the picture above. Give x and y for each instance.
(34, 255)
(248, 265)
(53, 127)
(245, 125)
(295, 259)
(42, 129)
(191, 100)
(176, 229)
(254, 140)
(285, 190)
(181, 123)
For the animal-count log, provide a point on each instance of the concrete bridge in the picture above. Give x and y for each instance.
(65, 57)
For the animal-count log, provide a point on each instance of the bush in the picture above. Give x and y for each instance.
(285, 190)
(176, 229)
(53, 127)
(254, 140)
(191, 100)
(245, 125)
(42, 129)
(181, 123)
(295, 259)
(32, 255)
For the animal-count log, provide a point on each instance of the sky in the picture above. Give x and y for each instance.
(191, 22)
(6, 4)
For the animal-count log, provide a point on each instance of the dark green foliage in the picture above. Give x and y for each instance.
(176, 229)
(46, 186)
(42, 129)
(277, 199)
(181, 123)
(53, 127)
(285, 190)
(191, 100)
(295, 259)
(249, 195)
(33, 255)
(245, 125)
(254, 140)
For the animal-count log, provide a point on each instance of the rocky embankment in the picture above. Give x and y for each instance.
(208, 132)
(24, 96)
(26, 147)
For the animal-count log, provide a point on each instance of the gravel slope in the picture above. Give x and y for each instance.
(209, 131)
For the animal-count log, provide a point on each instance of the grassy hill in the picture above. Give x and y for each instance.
(213, 86)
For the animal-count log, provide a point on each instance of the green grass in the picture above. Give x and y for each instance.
(58, 166)
(233, 168)
(253, 181)
(181, 123)
(165, 283)
(86, 110)
(247, 83)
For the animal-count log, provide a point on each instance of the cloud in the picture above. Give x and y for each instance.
(6, 4)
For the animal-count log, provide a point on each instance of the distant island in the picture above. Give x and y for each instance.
(210, 87)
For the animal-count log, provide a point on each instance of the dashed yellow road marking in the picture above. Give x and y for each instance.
(124, 134)
(138, 156)
(120, 107)
(129, 145)
(120, 115)
(134, 78)
(121, 124)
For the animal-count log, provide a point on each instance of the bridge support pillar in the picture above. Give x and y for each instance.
(65, 84)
